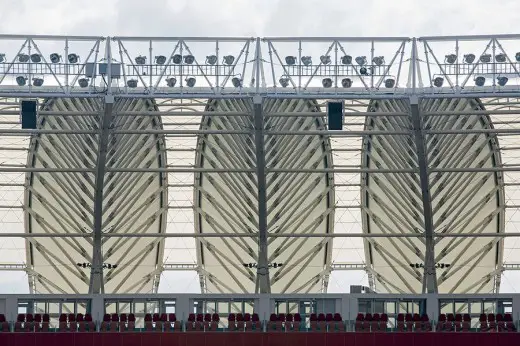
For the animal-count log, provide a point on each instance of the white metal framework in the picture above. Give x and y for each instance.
(144, 143)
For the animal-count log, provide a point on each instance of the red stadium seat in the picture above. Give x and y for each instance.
(4, 325)
(280, 322)
(450, 322)
(374, 325)
(89, 322)
(114, 322)
(131, 323)
(400, 322)
(441, 323)
(466, 323)
(272, 322)
(322, 322)
(492, 323)
(105, 324)
(367, 322)
(457, 324)
(73, 324)
(417, 323)
(289, 319)
(501, 324)
(62, 323)
(297, 322)
(148, 323)
(510, 325)
(359, 322)
(28, 326)
(123, 319)
(313, 322)
(199, 323)
(483, 323)
(248, 322)
(46, 322)
(18, 325)
(240, 322)
(157, 322)
(338, 325)
(37, 322)
(329, 319)
(190, 323)
(257, 325)
(215, 320)
(167, 324)
(232, 322)
(82, 326)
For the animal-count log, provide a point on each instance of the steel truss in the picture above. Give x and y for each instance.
(206, 144)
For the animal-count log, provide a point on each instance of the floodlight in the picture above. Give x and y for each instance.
(361, 60)
(326, 82)
(73, 58)
(170, 82)
(211, 59)
(306, 60)
(36, 58)
(500, 57)
(517, 57)
(189, 59)
(21, 80)
(83, 82)
(190, 81)
(160, 59)
(485, 58)
(229, 60)
(55, 58)
(325, 59)
(132, 83)
(469, 58)
(23, 57)
(346, 82)
(346, 60)
(502, 80)
(140, 60)
(389, 82)
(284, 82)
(378, 60)
(290, 60)
(438, 82)
(363, 71)
(480, 81)
(37, 82)
(2, 57)
(237, 82)
(450, 59)
(177, 59)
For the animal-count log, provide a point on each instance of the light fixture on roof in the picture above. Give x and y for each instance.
(132, 83)
(284, 81)
(390, 82)
(160, 60)
(361, 60)
(307, 60)
(450, 59)
(177, 59)
(237, 82)
(346, 60)
(170, 82)
(190, 81)
(36, 58)
(480, 81)
(37, 81)
(502, 80)
(438, 82)
(83, 82)
(469, 58)
(189, 59)
(517, 56)
(55, 58)
(2, 57)
(326, 82)
(140, 60)
(22, 57)
(211, 59)
(21, 80)
(228, 60)
(325, 59)
(346, 82)
(378, 60)
(363, 71)
(501, 57)
(290, 60)
(485, 58)
(73, 58)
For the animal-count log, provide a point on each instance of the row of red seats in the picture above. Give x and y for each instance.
(404, 322)
(488, 323)
(41, 323)
(244, 322)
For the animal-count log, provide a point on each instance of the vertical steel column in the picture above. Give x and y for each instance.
(96, 273)
(263, 283)
(430, 274)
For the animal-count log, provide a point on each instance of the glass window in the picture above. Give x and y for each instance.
(390, 307)
(476, 308)
(461, 307)
(139, 308)
(124, 307)
(67, 308)
(446, 307)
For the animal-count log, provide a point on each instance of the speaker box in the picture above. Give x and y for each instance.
(335, 115)
(28, 113)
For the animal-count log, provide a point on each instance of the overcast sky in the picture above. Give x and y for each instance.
(410, 18)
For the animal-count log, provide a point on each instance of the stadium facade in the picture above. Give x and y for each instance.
(130, 127)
